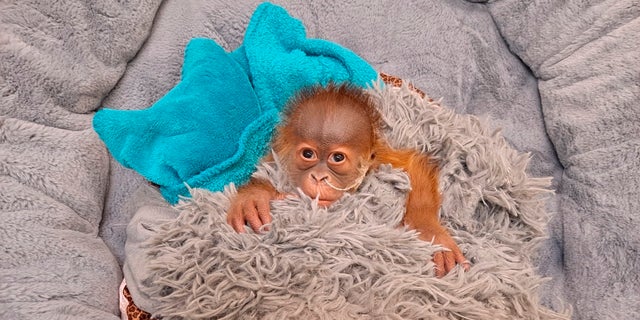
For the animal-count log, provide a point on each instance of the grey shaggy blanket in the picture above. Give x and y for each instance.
(352, 260)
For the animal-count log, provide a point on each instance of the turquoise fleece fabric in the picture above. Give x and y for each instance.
(215, 125)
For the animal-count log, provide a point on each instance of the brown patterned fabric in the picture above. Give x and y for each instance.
(397, 82)
(133, 312)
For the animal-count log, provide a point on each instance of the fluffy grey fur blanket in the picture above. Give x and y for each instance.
(351, 260)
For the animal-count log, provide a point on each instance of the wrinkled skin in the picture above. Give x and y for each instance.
(327, 144)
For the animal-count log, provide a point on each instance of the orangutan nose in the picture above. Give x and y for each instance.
(319, 177)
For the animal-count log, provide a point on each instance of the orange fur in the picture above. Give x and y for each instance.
(423, 201)
(324, 121)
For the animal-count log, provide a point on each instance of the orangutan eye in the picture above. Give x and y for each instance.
(308, 154)
(338, 157)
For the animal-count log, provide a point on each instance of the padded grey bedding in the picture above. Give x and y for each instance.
(560, 78)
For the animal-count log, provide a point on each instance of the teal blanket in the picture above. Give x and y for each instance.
(213, 127)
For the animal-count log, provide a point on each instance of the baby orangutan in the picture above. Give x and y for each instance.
(327, 143)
